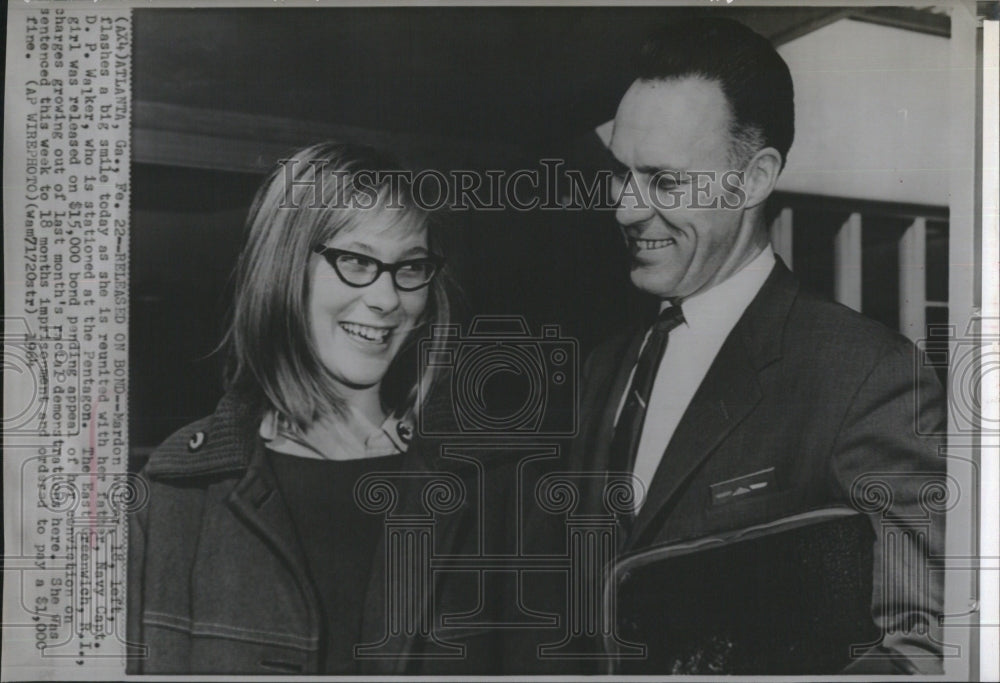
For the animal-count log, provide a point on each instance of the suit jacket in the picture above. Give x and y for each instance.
(815, 405)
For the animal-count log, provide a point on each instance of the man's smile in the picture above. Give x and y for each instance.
(649, 244)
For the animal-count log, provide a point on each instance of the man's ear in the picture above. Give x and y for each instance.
(761, 176)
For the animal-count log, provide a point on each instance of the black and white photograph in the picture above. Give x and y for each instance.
(443, 340)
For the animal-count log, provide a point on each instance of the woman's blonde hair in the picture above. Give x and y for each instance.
(305, 201)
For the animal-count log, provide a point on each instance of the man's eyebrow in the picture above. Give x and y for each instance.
(618, 168)
(678, 173)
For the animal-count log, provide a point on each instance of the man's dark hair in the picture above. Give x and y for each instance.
(751, 73)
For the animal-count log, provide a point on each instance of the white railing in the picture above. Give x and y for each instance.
(854, 218)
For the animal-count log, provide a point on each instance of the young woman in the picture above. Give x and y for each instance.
(252, 555)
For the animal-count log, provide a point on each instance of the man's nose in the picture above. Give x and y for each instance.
(381, 295)
(633, 201)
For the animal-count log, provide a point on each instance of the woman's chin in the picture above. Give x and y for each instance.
(357, 373)
(360, 381)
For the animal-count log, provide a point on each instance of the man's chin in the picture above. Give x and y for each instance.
(653, 284)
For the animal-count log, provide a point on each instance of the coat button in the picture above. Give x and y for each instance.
(197, 441)
(405, 431)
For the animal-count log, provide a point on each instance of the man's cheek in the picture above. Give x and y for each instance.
(733, 195)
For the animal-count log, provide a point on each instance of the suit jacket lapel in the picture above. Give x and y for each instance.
(728, 393)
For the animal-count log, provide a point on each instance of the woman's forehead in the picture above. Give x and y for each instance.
(382, 226)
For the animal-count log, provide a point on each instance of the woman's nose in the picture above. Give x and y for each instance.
(381, 295)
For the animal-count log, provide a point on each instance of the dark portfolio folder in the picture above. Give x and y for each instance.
(789, 597)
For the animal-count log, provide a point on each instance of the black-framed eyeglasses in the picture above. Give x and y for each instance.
(361, 270)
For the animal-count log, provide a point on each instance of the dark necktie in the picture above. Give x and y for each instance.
(625, 442)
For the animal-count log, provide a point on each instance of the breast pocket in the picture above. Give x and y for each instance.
(748, 499)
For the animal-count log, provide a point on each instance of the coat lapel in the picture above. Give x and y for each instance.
(729, 392)
(256, 500)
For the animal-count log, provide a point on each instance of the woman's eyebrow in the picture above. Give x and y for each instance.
(364, 248)
(358, 246)
(419, 250)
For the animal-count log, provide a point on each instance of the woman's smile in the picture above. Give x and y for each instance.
(368, 335)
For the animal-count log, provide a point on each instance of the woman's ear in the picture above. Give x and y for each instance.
(761, 175)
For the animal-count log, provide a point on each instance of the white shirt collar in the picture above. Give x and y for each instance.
(718, 309)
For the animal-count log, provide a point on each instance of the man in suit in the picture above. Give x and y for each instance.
(750, 399)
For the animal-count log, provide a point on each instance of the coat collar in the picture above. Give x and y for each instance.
(226, 441)
(221, 443)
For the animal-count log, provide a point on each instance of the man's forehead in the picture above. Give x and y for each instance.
(670, 118)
